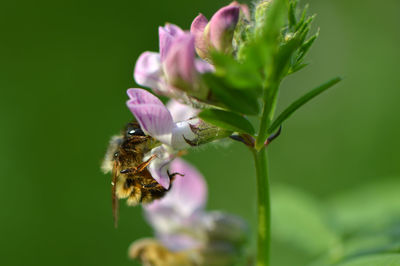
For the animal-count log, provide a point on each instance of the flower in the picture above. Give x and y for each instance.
(218, 33)
(175, 71)
(187, 232)
(175, 129)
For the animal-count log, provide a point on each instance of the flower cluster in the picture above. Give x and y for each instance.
(186, 233)
(217, 74)
(176, 72)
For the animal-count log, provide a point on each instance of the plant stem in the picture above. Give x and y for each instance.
(270, 100)
(264, 207)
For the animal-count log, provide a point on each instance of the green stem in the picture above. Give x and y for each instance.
(270, 100)
(263, 190)
(264, 208)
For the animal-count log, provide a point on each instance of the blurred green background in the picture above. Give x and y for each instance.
(65, 66)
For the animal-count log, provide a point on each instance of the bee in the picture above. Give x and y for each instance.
(130, 176)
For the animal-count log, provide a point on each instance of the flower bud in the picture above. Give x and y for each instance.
(261, 12)
(244, 8)
(195, 132)
(197, 29)
(227, 228)
(222, 27)
(179, 64)
(218, 33)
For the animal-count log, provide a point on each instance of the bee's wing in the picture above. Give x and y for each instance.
(113, 194)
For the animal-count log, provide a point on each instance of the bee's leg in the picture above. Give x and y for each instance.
(143, 165)
(139, 168)
(127, 170)
(151, 185)
(172, 176)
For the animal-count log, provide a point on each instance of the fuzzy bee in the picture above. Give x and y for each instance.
(130, 177)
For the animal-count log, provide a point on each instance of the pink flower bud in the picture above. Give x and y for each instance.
(179, 63)
(197, 29)
(218, 33)
(222, 26)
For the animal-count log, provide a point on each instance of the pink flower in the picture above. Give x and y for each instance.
(166, 127)
(174, 72)
(182, 225)
(175, 128)
(218, 33)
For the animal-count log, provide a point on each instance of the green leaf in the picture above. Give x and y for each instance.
(368, 218)
(299, 219)
(269, 17)
(297, 68)
(371, 208)
(239, 75)
(292, 13)
(303, 17)
(283, 57)
(240, 101)
(300, 102)
(375, 260)
(227, 120)
(306, 46)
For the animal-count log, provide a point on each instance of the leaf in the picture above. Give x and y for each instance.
(240, 101)
(283, 57)
(292, 13)
(299, 219)
(273, 20)
(303, 17)
(306, 46)
(297, 68)
(259, 50)
(370, 209)
(375, 260)
(227, 120)
(239, 75)
(300, 102)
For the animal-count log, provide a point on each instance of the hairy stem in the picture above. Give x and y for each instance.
(264, 207)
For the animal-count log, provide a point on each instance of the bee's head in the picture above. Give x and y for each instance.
(133, 129)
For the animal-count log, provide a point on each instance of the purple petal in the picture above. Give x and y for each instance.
(197, 29)
(222, 27)
(166, 35)
(187, 195)
(165, 89)
(159, 167)
(244, 8)
(140, 96)
(203, 67)
(191, 189)
(153, 117)
(148, 70)
(181, 112)
(179, 64)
